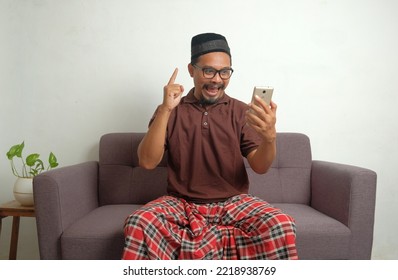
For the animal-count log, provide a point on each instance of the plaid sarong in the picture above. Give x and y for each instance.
(242, 227)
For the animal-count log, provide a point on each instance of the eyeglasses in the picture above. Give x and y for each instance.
(210, 73)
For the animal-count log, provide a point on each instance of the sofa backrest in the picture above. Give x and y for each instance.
(122, 181)
(288, 179)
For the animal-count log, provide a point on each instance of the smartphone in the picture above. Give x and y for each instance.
(265, 93)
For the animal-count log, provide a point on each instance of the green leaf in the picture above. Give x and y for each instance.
(15, 150)
(12, 152)
(20, 149)
(31, 159)
(52, 160)
(39, 165)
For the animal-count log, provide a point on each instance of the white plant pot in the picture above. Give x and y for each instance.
(23, 191)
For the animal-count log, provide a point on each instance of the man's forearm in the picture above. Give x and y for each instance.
(260, 160)
(151, 148)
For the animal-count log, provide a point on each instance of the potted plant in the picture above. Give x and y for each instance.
(31, 166)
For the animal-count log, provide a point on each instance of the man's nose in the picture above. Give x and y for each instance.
(217, 78)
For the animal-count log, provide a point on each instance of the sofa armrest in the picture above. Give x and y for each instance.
(348, 194)
(62, 196)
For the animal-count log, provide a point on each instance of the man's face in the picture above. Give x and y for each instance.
(209, 90)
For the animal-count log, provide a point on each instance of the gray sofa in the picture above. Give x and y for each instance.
(81, 208)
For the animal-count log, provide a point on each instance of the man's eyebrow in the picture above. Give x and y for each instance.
(208, 66)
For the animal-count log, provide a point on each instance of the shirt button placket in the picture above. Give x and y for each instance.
(205, 120)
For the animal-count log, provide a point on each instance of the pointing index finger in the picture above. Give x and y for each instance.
(173, 77)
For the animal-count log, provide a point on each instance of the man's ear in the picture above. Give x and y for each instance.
(190, 69)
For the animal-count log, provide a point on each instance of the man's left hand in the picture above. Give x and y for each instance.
(262, 118)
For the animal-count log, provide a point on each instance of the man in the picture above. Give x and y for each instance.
(208, 213)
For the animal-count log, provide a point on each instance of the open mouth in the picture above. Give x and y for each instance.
(213, 89)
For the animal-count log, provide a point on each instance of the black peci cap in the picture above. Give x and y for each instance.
(208, 42)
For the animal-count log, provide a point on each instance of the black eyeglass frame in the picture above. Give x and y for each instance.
(215, 71)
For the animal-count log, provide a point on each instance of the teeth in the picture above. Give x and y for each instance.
(212, 87)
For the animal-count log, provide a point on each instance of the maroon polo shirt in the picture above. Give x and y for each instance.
(204, 148)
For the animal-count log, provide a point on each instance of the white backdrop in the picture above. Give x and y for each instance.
(73, 70)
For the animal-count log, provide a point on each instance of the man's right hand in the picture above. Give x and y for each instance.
(172, 92)
(151, 148)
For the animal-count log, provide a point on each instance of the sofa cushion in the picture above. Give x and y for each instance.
(318, 236)
(98, 235)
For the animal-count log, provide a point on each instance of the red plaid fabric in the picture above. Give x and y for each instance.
(243, 227)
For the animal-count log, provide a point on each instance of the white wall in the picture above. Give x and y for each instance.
(71, 71)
